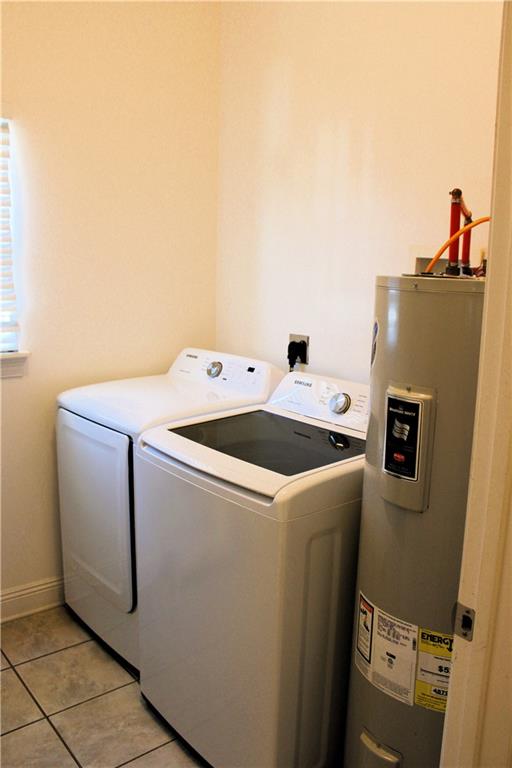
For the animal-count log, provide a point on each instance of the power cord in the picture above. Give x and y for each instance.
(297, 351)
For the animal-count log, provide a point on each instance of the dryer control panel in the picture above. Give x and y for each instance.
(337, 401)
(224, 371)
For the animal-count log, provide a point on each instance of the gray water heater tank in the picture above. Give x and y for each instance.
(423, 387)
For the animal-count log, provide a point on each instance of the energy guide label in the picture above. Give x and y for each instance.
(386, 651)
(433, 670)
(409, 663)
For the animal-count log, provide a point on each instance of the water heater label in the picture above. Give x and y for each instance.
(409, 663)
(402, 438)
(433, 670)
(365, 628)
(386, 651)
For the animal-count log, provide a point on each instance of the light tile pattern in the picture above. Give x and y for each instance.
(171, 755)
(92, 729)
(18, 706)
(73, 675)
(89, 712)
(4, 663)
(32, 636)
(36, 746)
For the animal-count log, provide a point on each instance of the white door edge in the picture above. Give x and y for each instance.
(479, 713)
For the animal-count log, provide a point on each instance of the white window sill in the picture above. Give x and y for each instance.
(13, 364)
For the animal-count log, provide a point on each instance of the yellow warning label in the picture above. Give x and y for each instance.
(433, 669)
(435, 643)
(430, 696)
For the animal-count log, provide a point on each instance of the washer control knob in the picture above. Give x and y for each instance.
(340, 403)
(214, 369)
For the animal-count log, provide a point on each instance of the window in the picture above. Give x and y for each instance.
(8, 316)
(12, 361)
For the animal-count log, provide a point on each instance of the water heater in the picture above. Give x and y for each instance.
(425, 354)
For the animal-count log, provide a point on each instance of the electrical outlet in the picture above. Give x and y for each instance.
(300, 337)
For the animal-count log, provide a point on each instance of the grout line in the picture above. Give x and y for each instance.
(43, 718)
(65, 744)
(51, 653)
(91, 698)
(76, 704)
(19, 727)
(143, 754)
(28, 691)
(47, 717)
(6, 658)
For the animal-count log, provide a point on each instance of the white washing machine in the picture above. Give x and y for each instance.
(247, 532)
(96, 429)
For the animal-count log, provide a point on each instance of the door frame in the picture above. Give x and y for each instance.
(477, 729)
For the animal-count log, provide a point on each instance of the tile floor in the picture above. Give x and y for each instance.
(65, 702)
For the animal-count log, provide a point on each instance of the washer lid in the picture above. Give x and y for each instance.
(257, 449)
(273, 441)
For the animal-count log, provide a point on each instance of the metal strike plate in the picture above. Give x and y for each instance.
(464, 622)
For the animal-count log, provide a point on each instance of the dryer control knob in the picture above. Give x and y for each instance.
(340, 403)
(214, 369)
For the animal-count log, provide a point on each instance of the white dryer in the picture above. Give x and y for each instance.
(96, 429)
(247, 533)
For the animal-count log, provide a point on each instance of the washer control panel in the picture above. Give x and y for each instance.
(340, 402)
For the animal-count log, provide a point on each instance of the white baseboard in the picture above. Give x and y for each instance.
(31, 598)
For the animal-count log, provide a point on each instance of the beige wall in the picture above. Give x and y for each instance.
(343, 127)
(115, 115)
(296, 149)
